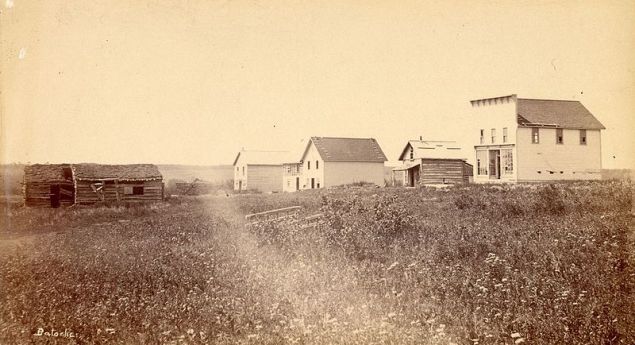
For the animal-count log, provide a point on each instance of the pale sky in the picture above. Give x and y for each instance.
(191, 82)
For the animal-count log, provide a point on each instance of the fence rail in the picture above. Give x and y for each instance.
(284, 214)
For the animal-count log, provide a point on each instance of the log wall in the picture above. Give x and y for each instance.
(444, 171)
(112, 193)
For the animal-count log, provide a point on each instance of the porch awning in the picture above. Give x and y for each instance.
(406, 166)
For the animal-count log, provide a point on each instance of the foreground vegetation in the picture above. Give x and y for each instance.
(465, 265)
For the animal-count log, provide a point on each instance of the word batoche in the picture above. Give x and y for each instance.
(41, 332)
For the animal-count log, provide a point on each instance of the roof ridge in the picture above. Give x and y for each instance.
(551, 100)
(369, 138)
(263, 151)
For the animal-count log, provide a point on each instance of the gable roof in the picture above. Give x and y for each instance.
(555, 113)
(433, 149)
(130, 172)
(347, 149)
(253, 157)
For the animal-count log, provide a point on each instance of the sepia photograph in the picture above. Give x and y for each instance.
(317, 172)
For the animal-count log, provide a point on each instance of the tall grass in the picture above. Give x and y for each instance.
(471, 265)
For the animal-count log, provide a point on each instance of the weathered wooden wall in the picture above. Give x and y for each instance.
(38, 193)
(38, 180)
(152, 191)
(442, 171)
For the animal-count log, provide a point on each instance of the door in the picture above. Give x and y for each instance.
(55, 195)
(297, 183)
(312, 182)
(413, 176)
(240, 185)
(494, 164)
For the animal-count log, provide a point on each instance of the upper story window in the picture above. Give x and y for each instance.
(237, 169)
(412, 154)
(505, 134)
(308, 165)
(559, 136)
(535, 136)
(583, 137)
(482, 136)
(317, 165)
(493, 135)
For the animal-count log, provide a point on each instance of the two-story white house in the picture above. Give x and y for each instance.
(519, 139)
(328, 162)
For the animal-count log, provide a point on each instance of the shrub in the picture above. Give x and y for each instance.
(549, 200)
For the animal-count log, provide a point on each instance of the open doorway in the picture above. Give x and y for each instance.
(494, 164)
(55, 195)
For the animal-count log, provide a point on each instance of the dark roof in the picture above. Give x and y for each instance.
(86, 171)
(45, 172)
(347, 149)
(547, 112)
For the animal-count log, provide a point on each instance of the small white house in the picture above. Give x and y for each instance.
(328, 162)
(518, 139)
(259, 170)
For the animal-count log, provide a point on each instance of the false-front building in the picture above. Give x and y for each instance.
(518, 139)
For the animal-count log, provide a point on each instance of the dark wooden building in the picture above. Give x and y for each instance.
(433, 162)
(117, 183)
(55, 185)
(48, 185)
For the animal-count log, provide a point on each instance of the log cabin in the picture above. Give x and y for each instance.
(95, 183)
(433, 162)
(48, 185)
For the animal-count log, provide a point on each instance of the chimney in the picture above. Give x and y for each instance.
(421, 138)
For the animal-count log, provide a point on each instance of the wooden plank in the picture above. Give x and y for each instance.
(268, 213)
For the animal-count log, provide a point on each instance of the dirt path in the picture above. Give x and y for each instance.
(308, 291)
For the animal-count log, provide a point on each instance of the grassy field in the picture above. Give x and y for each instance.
(534, 264)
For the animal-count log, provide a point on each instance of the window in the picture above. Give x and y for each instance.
(137, 190)
(481, 156)
(559, 136)
(127, 190)
(493, 135)
(237, 169)
(507, 162)
(412, 153)
(308, 165)
(583, 137)
(535, 136)
(317, 165)
(505, 134)
(68, 173)
(482, 136)
(243, 171)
